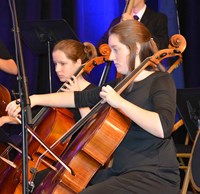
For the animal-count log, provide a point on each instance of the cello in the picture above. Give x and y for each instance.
(47, 125)
(128, 7)
(5, 98)
(103, 131)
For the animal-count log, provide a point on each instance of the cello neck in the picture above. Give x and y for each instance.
(129, 6)
(78, 72)
(44, 110)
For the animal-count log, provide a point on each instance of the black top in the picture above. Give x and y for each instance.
(4, 53)
(75, 111)
(157, 24)
(140, 150)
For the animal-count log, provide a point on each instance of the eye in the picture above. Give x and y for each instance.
(115, 50)
(62, 64)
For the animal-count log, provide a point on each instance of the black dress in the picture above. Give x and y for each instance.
(4, 53)
(143, 163)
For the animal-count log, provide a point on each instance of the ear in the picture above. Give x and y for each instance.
(79, 62)
(138, 48)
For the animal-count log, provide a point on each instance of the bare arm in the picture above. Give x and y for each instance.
(84, 111)
(7, 119)
(8, 66)
(147, 120)
(60, 99)
(57, 100)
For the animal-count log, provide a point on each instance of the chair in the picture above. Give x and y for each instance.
(183, 149)
(193, 171)
(188, 106)
(187, 103)
(186, 97)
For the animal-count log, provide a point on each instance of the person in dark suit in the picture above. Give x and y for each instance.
(156, 22)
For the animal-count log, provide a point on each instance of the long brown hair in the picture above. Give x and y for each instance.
(75, 50)
(131, 32)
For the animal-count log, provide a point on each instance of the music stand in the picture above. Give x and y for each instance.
(40, 36)
(191, 95)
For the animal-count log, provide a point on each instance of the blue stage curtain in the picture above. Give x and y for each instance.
(168, 7)
(94, 17)
(29, 11)
(92, 20)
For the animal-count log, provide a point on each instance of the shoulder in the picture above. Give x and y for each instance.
(155, 79)
(163, 80)
(162, 76)
(4, 54)
(159, 80)
(90, 86)
(154, 15)
(151, 12)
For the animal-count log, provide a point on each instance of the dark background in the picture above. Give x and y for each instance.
(88, 20)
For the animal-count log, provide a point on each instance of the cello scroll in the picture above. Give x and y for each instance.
(175, 49)
(105, 51)
(177, 41)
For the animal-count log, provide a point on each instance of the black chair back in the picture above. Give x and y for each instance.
(188, 106)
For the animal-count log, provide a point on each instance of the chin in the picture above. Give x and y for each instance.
(62, 79)
(121, 72)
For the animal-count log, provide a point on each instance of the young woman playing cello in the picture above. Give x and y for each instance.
(68, 56)
(145, 161)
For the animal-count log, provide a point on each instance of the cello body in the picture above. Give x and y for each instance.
(49, 127)
(5, 98)
(3, 165)
(58, 122)
(91, 149)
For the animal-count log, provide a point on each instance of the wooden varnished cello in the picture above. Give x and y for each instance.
(128, 7)
(4, 100)
(49, 124)
(104, 129)
(53, 128)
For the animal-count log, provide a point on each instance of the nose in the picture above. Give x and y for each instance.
(57, 67)
(112, 56)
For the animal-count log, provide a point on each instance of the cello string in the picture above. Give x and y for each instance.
(88, 66)
(47, 148)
